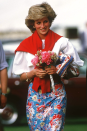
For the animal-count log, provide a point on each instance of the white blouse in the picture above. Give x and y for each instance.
(22, 61)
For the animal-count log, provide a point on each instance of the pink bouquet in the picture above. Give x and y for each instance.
(44, 58)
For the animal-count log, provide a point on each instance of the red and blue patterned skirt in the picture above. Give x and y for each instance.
(46, 112)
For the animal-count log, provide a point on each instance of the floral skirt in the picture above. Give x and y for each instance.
(46, 112)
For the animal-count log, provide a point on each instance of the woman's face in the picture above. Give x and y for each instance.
(42, 27)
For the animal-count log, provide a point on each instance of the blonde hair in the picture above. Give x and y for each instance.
(39, 11)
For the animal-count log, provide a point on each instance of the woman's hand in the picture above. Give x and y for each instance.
(40, 73)
(50, 70)
(30, 75)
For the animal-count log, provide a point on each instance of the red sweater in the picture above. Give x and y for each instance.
(31, 45)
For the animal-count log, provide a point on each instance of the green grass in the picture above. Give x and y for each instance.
(75, 127)
(71, 124)
(20, 128)
(67, 128)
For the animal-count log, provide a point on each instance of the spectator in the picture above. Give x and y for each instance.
(83, 39)
(3, 80)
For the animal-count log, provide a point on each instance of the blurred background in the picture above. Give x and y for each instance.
(71, 22)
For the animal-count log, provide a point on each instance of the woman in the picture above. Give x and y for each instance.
(45, 109)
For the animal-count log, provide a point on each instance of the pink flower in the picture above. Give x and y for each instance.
(46, 57)
(35, 60)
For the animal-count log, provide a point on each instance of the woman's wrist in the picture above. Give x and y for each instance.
(30, 75)
(34, 72)
(27, 78)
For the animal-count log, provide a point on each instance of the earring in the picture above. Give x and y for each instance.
(33, 26)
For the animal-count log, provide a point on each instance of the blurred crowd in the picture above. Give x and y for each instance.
(83, 39)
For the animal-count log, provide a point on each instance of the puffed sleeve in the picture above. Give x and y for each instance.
(63, 44)
(22, 63)
(70, 49)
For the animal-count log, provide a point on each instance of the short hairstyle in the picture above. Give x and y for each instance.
(37, 12)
